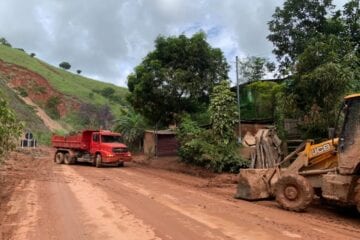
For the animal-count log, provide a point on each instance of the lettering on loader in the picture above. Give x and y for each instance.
(321, 149)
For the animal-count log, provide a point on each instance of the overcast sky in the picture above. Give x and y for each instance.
(107, 38)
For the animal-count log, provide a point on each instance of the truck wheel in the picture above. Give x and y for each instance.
(121, 164)
(67, 159)
(293, 192)
(98, 160)
(357, 196)
(59, 158)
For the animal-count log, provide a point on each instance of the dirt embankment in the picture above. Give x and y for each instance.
(37, 88)
(161, 199)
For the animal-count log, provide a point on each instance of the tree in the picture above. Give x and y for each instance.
(10, 129)
(176, 77)
(324, 73)
(4, 42)
(78, 71)
(351, 18)
(132, 126)
(65, 65)
(32, 54)
(294, 25)
(223, 112)
(92, 116)
(255, 68)
(215, 148)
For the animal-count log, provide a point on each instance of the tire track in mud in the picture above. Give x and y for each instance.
(271, 220)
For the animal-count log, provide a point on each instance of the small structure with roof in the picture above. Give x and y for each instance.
(160, 143)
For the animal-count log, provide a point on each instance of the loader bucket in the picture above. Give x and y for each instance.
(253, 185)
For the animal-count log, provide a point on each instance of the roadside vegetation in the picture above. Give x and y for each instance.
(10, 129)
(215, 148)
(317, 49)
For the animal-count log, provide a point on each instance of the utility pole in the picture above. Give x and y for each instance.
(238, 97)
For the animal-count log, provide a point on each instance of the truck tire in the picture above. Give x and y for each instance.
(67, 159)
(357, 196)
(293, 192)
(98, 160)
(59, 158)
(121, 164)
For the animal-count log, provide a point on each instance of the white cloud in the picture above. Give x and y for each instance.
(107, 39)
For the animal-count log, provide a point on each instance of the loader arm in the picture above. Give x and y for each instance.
(319, 156)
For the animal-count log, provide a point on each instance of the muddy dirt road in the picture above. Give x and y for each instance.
(42, 200)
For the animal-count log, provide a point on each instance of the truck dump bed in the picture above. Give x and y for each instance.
(79, 141)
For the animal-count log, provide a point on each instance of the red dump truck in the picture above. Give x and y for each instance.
(93, 146)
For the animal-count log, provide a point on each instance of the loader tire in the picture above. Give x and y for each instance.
(67, 159)
(293, 192)
(59, 158)
(98, 160)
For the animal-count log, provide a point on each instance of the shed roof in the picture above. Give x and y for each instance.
(161, 132)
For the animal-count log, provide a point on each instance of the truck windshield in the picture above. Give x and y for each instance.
(111, 139)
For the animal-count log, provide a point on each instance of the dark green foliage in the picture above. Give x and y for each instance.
(132, 126)
(321, 49)
(258, 100)
(78, 71)
(37, 89)
(176, 77)
(65, 65)
(255, 68)
(10, 129)
(351, 19)
(214, 148)
(198, 146)
(4, 42)
(294, 25)
(223, 113)
(22, 91)
(111, 95)
(32, 54)
(324, 74)
(92, 117)
(51, 107)
(107, 91)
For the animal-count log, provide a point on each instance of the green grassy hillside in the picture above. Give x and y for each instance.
(25, 113)
(85, 90)
(63, 81)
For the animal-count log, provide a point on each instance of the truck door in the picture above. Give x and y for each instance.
(95, 143)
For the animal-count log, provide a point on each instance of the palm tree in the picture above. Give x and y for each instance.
(132, 126)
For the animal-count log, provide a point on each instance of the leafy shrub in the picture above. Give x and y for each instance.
(10, 129)
(199, 147)
(110, 94)
(39, 89)
(51, 107)
(22, 91)
(90, 116)
(214, 148)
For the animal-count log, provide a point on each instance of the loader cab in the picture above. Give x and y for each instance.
(349, 142)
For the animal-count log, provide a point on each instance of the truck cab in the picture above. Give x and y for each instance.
(109, 146)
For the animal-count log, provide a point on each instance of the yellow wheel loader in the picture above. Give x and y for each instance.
(330, 169)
